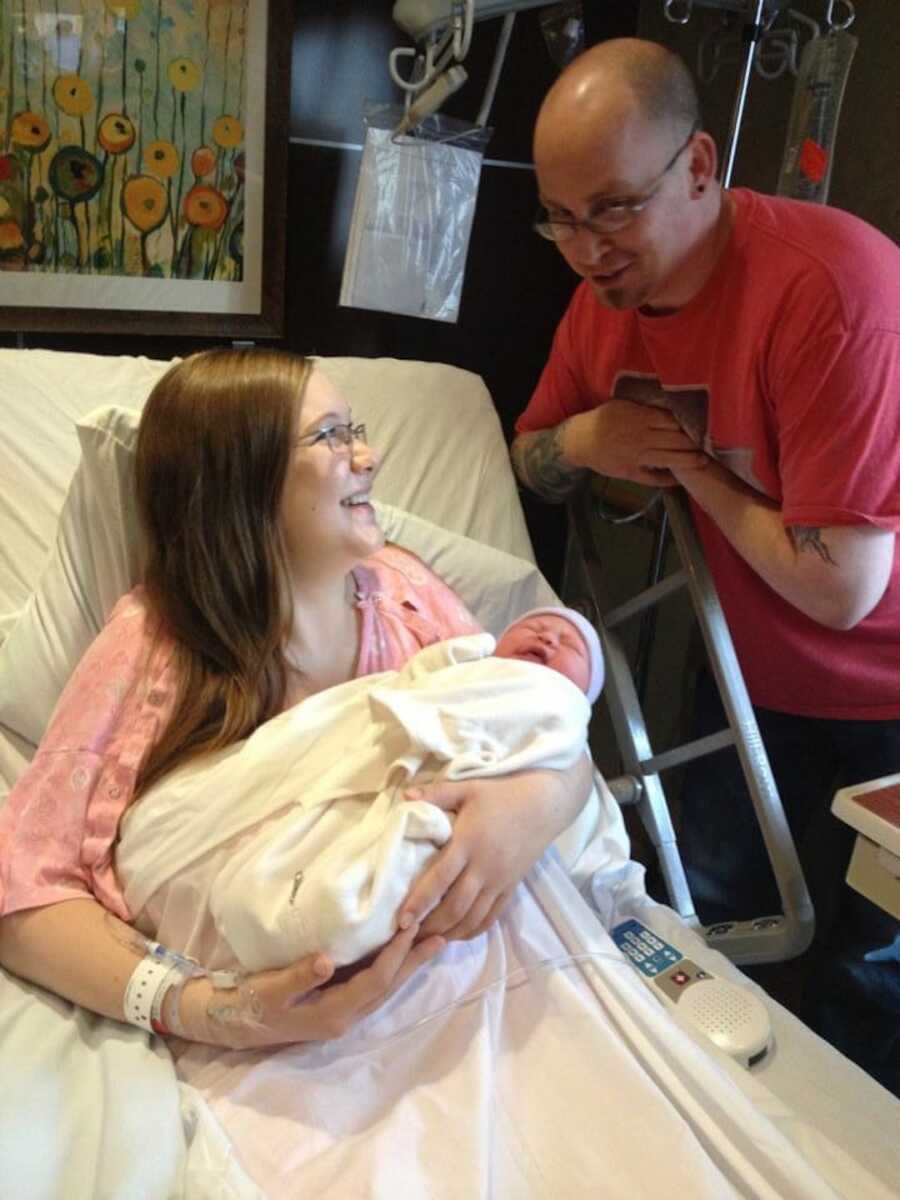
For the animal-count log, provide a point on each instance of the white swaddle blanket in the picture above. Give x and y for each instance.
(332, 848)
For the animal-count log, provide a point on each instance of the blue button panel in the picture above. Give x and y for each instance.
(649, 953)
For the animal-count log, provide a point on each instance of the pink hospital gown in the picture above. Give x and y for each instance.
(58, 829)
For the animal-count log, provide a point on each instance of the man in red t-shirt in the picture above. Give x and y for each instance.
(748, 349)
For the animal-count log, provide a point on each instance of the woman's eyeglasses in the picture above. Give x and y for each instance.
(338, 437)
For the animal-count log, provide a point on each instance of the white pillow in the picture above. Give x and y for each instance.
(96, 560)
(497, 587)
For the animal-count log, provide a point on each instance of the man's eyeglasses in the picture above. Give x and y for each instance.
(610, 215)
(338, 437)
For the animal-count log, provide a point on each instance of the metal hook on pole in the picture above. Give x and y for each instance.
(678, 11)
(849, 15)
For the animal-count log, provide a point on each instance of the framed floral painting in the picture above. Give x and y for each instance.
(143, 154)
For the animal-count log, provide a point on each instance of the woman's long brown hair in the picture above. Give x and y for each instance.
(213, 449)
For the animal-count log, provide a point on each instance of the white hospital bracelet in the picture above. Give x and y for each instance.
(141, 992)
(173, 1024)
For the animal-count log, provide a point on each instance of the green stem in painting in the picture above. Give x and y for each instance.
(11, 89)
(182, 155)
(24, 15)
(243, 60)
(158, 56)
(74, 213)
(88, 238)
(227, 56)
(109, 182)
(125, 69)
(205, 74)
(100, 71)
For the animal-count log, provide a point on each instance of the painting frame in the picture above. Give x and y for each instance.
(101, 307)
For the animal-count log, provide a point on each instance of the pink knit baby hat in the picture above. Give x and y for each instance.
(587, 631)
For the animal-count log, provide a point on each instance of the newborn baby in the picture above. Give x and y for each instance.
(330, 846)
(560, 638)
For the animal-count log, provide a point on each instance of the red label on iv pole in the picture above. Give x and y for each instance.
(813, 160)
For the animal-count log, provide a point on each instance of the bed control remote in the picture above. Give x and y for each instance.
(732, 1018)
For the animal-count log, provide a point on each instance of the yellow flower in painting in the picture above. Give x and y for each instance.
(116, 133)
(126, 9)
(161, 157)
(145, 202)
(227, 132)
(72, 94)
(29, 131)
(10, 237)
(205, 207)
(184, 75)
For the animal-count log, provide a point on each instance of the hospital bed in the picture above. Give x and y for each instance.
(91, 1108)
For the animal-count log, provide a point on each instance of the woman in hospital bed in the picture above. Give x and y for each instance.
(266, 584)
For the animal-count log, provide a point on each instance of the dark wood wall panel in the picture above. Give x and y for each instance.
(866, 173)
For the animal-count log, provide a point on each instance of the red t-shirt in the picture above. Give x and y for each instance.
(786, 367)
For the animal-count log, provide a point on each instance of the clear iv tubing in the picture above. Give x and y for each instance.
(511, 979)
(554, 909)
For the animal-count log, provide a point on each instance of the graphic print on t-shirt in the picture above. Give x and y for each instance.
(690, 408)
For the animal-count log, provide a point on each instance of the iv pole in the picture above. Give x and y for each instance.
(751, 35)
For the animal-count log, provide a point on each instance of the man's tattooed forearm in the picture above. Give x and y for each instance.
(539, 463)
(806, 537)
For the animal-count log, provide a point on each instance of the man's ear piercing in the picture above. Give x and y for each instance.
(700, 189)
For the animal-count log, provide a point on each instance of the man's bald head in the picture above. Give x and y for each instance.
(617, 81)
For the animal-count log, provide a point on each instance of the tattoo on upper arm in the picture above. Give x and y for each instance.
(539, 463)
(806, 537)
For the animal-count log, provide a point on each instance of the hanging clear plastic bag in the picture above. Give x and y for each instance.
(812, 127)
(412, 217)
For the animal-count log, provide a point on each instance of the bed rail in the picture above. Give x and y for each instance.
(767, 938)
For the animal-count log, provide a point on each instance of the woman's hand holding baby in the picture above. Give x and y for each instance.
(502, 827)
(273, 1008)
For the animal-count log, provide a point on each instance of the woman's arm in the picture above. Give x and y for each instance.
(503, 826)
(83, 953)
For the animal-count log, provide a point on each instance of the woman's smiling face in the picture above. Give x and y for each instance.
(326, 519)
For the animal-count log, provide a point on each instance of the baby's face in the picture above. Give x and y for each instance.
(552, 641)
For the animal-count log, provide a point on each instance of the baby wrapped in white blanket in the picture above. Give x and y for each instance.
(333, 847)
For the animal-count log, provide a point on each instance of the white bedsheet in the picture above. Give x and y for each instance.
(80, 1098)
(492, 1076)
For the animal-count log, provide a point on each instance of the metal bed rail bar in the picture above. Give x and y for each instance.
(768, 938)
